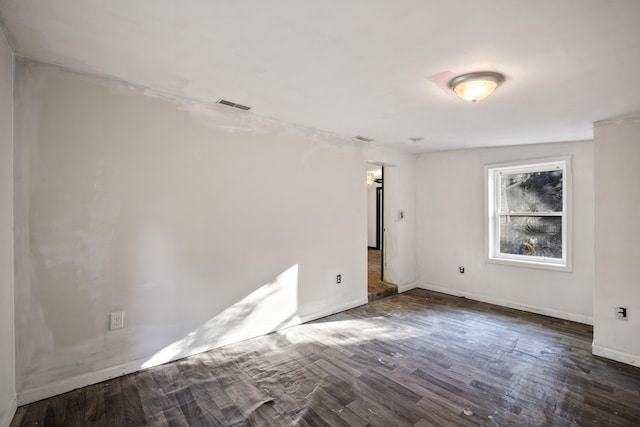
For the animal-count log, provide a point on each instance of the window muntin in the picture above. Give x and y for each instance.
(528, 213)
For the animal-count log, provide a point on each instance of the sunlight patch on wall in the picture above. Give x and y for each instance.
(271, 307)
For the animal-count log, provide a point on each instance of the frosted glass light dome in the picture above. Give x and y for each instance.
(476, 86)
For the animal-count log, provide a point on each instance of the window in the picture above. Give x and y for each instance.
(528, 213)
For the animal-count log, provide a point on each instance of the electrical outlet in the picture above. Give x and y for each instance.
(621, 313)
(339, 278)
(116, 320)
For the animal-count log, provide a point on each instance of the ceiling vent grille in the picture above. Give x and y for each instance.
(363, 138)
(233, 104)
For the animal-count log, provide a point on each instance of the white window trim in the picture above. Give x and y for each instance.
(564, 264)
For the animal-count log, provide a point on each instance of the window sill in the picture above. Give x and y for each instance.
(531, 264)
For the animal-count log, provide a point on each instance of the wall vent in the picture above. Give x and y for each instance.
(363, 138)
(233, 104)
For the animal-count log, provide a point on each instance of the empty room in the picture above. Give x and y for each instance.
(285, 213)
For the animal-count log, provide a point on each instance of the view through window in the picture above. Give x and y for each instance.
(528, 213)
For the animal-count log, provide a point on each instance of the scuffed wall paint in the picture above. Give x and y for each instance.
(178, 214)
(7, 361)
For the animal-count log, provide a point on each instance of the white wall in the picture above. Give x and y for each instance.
(617, 233)
(204, 225)
(451, 233)
(7, 350)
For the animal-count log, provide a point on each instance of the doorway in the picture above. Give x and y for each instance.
(377, 237)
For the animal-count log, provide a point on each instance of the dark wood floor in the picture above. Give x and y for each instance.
(376, 287)
(418, 358)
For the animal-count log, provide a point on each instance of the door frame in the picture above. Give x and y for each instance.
(379, 202)
(380, 224)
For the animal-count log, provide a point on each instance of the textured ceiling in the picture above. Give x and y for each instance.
(374, 68)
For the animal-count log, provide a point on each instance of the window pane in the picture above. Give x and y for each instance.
(531, 192)
(531, 235)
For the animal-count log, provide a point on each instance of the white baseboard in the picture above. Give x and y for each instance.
(588, 320)
(12, 412)
(342, 307)
(66, 385)
(407, 287)
(618, 356)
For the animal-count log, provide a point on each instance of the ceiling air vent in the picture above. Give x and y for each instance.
(233, 104)
(363, 138)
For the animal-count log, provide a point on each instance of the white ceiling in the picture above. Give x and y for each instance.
(376, 68)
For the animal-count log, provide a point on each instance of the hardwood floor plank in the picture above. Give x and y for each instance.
(58, 409)
(35, 416)
(419, 358)
(376, 415)
(340, 390)
(394, 403)
(95, 412)
(20, 414)
(113, 407)
(75, 409)
(328, 408)
(392, 386)
(154, 400)
(131, 401)
(377, 288)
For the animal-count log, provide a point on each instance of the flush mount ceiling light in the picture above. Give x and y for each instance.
(476, 86)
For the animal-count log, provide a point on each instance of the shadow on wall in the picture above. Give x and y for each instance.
(269, 308)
